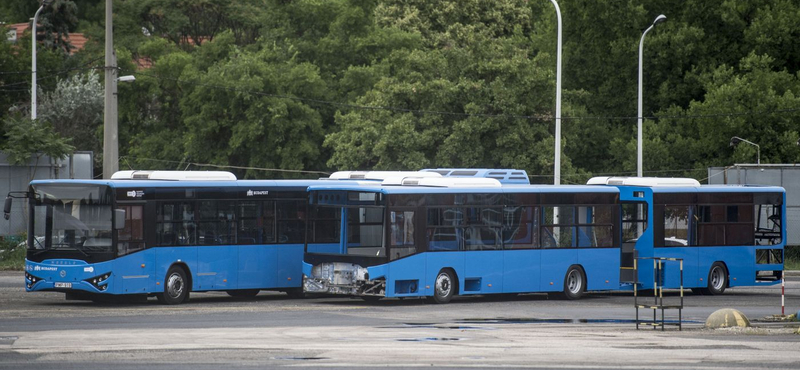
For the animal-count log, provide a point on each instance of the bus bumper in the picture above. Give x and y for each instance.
(66, 276)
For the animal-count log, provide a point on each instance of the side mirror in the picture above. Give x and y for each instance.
(119, 219)
(7, 208)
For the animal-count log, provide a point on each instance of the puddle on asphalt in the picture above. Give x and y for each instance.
(292, 358)
(429, 339)
(410, 325)
(452, 327)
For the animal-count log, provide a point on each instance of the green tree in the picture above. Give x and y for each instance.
(476, 66)
(75, 110)
(26, 138)
(245, 113)
(753, 101)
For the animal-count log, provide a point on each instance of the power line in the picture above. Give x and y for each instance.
(52, 75)
(541, 117)
(222, 166)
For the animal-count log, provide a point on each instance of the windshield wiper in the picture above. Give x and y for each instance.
(68, 246)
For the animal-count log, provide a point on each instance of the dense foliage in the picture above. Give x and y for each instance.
(320, 85)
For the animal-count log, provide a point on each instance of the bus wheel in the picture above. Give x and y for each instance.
(444, 288)
(717, 279)
(176, 290)
(243, 293)
(574, 283)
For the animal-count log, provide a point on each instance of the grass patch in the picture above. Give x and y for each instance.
(791, 256)
(791, 264)
(12, 255)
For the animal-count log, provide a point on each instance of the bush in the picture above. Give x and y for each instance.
(12, 253)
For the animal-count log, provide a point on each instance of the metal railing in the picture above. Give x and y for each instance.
(659, 279)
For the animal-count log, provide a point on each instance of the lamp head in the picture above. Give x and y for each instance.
(660, 19)
(735, 140)
(47, 2)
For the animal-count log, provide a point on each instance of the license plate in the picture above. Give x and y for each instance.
(64, 285)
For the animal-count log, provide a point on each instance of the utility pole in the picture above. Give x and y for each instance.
(110, 136)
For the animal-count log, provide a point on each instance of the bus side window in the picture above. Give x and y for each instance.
(131, 237)
(401, 224)
(216, 224)
(520, 227)
(634, 221)
(676, 226)
(175, 223)
(291, 221)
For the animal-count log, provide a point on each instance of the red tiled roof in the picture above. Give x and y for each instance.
(77, 40)
(143, 62)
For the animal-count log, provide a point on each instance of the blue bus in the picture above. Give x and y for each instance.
(169, 233)
(438, 238)
(727, 235)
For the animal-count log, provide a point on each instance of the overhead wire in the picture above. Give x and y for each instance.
(542, 117)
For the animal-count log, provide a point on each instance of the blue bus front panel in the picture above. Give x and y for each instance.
(70, 275)
(555, 263)
(522, 270)
(436, 261)
(601, 266)
(407, 276)
(136, 273)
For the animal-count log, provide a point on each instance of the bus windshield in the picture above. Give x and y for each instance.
(71, 217)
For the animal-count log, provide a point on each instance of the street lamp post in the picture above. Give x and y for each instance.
(736, 140)
(659, 19)
(110, 139)
(557, 165)
(45, 3)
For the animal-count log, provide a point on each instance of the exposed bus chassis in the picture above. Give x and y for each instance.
(342, 278)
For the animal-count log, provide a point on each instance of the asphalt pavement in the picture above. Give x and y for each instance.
(44, 331)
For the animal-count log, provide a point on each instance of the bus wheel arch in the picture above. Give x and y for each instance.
(177, 285)
(575, 282)
(718, 278)
(445, 286)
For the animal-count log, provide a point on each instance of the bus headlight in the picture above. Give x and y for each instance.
(100, 281)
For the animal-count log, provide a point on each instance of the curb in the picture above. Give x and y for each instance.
(791, 273)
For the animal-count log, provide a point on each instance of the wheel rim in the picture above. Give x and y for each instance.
(443, 285)
(175, 285)
(716, 278)
(574, 282)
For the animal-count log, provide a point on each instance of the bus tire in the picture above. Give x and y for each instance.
(243, 293)
(574, 283)
(444, 287)
(176, 287)
(717, 279)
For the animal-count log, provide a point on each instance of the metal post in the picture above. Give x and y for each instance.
(557, 166)
(639, 114)
(110, 143)
(783, 296)
(33, 63)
